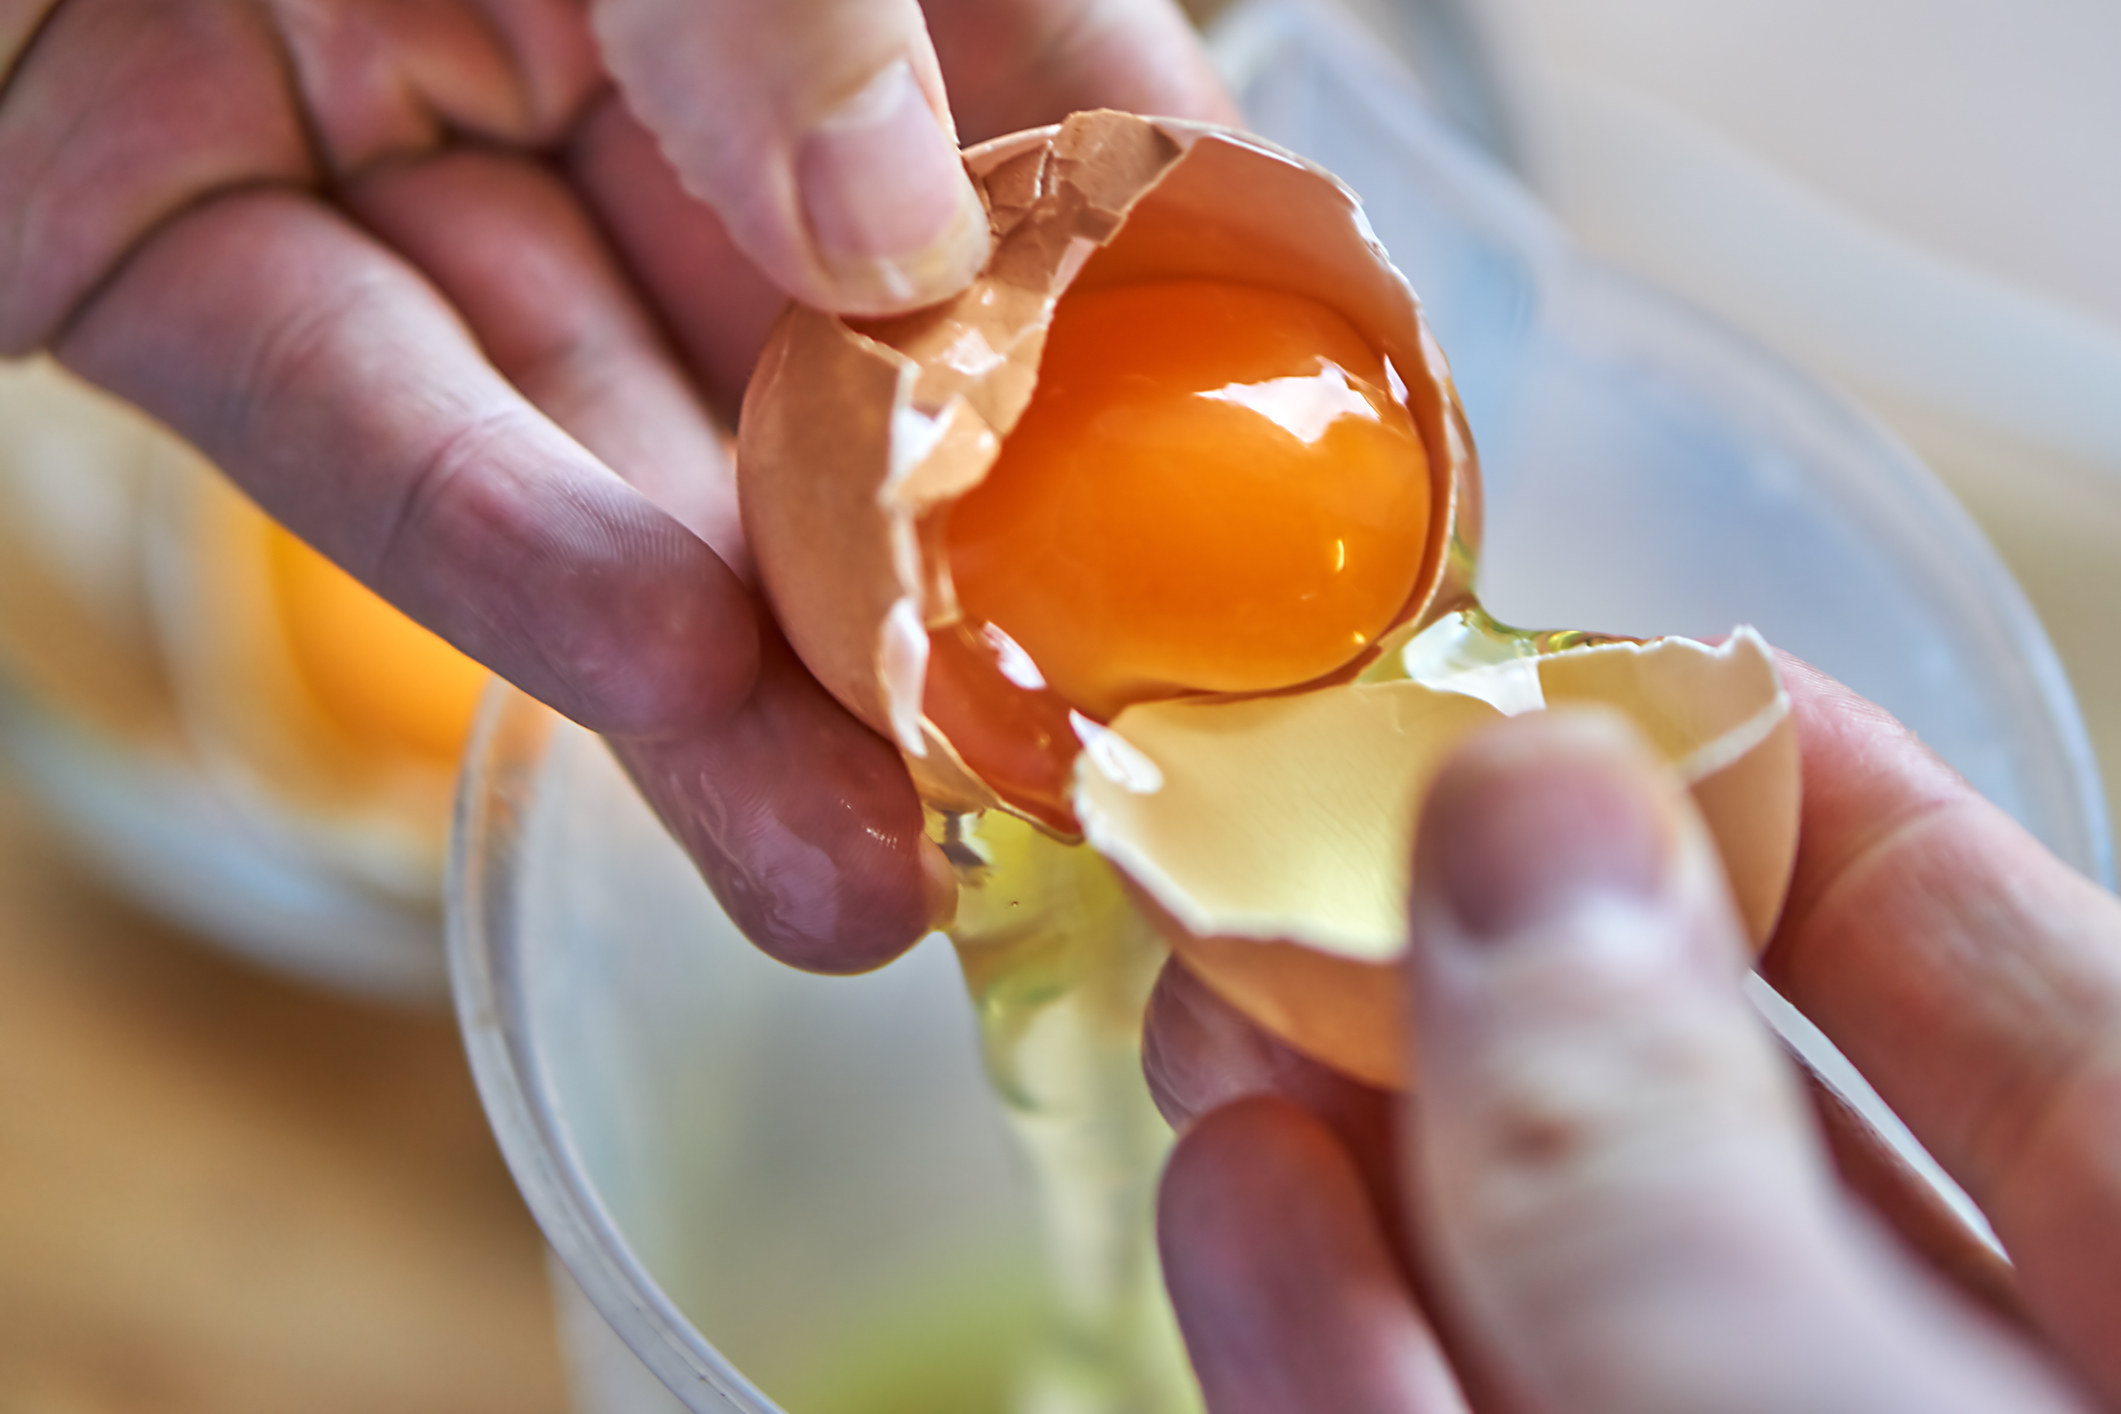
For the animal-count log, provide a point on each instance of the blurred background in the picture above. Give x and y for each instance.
(1912, 200)
(242, 1165)
(241, 1162)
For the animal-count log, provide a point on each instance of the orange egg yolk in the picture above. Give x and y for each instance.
(1214, 489)
(388, 683)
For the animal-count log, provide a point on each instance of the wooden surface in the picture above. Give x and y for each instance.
(223, 1191)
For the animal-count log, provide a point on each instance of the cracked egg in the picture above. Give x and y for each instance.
(1162, 536)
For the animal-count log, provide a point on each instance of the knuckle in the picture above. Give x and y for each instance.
(117, 116)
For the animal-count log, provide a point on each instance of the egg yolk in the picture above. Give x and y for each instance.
(1214, 489)
(390, 684)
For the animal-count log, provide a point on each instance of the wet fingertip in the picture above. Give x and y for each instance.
(886, 905)
(879, 932)
(828, 883)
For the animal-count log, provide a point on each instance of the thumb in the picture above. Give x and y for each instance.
(1615, 1182)
(818, 131)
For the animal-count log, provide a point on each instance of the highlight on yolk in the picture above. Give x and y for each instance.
(388, 682)
(1214, 489)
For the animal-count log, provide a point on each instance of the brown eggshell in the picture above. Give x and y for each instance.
(1721, 717)
(1276, 834)
(857, 436)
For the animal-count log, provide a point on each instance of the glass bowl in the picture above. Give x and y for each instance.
(774, 1187)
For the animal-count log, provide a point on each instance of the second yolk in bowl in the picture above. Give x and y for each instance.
(393, 687)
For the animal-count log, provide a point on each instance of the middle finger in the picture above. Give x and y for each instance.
(766, 800)
(342, 393)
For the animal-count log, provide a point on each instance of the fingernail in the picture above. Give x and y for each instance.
(1544, 817)
(893, 217)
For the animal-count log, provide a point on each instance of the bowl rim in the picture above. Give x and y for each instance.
(510, 745)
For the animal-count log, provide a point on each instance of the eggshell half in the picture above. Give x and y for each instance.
(1276, 834)
(857, 435)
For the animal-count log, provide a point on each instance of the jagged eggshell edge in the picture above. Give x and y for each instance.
(1275, 836)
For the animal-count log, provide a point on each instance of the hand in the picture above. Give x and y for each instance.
(1607, 1193)
(414, 274)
